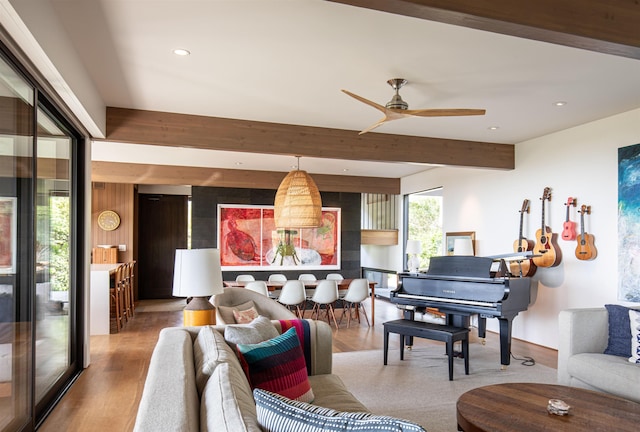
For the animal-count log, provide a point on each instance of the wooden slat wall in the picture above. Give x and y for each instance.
(118, 197)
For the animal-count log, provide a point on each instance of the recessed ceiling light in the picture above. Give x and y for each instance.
(345, 170)
(560, 103)
(493, 127)
(181, 52)
(238, 163)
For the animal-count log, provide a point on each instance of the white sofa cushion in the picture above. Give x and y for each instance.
(209, 350)
(227, 403)
(605, 372)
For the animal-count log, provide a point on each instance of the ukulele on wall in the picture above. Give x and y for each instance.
(525, 267)
(569, 227)
(546, 246)
(585, 250)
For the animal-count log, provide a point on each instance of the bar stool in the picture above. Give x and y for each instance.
(131, 303)
(117, 298)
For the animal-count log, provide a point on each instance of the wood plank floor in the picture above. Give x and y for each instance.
(106, 395)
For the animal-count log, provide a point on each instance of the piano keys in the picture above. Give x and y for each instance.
(461, 286)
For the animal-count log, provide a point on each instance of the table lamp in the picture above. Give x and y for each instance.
(414, 247)
(463, 246)
(197, 274)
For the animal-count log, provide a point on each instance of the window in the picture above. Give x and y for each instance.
(423, 213)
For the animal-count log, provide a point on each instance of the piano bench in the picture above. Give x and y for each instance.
(444, 333)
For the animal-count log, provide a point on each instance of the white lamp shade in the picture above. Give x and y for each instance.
(463, 246)
(197, 273)
(414, 247)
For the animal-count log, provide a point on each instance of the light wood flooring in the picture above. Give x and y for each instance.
(106, 395)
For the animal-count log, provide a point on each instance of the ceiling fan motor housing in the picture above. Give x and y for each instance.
(396, 102)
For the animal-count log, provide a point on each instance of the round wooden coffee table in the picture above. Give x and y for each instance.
(523, 407)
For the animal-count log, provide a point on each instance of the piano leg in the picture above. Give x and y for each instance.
(408, 314)
(505, 341)
(482, 328)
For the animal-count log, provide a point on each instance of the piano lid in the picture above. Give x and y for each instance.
(457, 265)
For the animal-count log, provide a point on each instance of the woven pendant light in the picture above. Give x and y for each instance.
(298, 203)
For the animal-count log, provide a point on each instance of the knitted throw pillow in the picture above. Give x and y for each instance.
(277, 365)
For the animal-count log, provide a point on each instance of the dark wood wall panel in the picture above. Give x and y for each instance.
(118, 197)
(204, 226)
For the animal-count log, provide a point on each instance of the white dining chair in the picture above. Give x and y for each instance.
(357, 292)
(326, 294)
(245, 278)
(277, 277)
(258, 286)
(293, 295)
(335, 276)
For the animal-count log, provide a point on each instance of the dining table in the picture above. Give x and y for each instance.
(342, 285)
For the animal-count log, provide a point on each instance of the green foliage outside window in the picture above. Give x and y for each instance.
(425, 224)
(52, 250)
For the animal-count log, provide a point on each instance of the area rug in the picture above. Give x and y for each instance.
(418, 387)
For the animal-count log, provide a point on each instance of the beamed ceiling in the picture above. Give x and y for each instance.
(262, 84)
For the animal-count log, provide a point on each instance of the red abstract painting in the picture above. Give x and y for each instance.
(248, 240)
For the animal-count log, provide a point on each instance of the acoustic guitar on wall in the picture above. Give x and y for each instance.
(546, 246)
(523, 268)
(586, 249)
(569, 227)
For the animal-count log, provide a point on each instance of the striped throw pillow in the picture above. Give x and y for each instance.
(277, 365)
(279, 414)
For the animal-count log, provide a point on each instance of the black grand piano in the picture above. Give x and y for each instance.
(461, 286)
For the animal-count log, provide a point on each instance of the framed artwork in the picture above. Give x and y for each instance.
(8, 226)
(248, 240)
(451, 237)
(629, 223)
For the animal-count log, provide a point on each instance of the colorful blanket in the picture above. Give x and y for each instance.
(304, 336)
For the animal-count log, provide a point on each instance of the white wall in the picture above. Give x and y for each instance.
(579, 162)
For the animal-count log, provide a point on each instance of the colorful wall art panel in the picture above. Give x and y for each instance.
(249, 240)
(629, 223)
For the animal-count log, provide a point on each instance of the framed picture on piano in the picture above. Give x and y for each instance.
(460, 243)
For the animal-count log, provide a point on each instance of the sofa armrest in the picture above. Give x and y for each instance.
(581, 331)
(170, 400)
(323, 353)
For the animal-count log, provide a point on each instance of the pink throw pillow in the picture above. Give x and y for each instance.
(245, 316)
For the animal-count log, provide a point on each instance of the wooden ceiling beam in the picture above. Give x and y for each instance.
(133, 173)
(610, 26)
(213, 133)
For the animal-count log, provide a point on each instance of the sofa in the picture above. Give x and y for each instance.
(195, 382)
(582, 362)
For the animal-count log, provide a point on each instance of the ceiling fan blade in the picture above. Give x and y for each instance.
(366, 101)
(375, 125)
(443, 112)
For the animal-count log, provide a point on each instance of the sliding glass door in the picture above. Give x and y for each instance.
(40, 329)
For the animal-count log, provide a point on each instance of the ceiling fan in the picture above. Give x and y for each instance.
(396, 108)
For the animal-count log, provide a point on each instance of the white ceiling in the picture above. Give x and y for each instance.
(285, 61)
